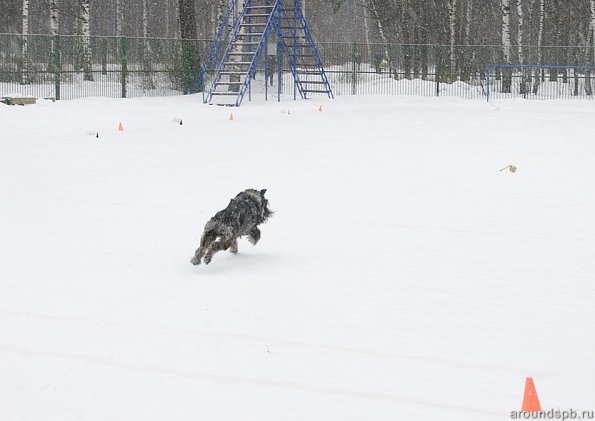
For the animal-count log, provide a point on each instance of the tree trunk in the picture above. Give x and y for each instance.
(452, 24)
(104, 32)
(189, 52)
(506, 46)
(539, 72)
(119, 18)
(519, 5)
(146, 54)
(55, 66)
(145, 11)
(54, 17)
(86, 33)
(468, 20)
(468, 64)
(367, 31)
(592, 24)
(25, 43)
(381, 31)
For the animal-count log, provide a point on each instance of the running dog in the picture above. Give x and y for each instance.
(241, 217)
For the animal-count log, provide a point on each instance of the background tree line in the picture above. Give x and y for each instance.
(521, 29)
(445, 22)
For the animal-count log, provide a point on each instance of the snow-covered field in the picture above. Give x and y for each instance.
(403, 276)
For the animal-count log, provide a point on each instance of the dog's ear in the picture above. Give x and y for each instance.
(262, 192)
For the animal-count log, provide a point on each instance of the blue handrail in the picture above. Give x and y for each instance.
(213, 51)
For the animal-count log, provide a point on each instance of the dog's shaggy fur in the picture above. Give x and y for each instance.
(241, 217)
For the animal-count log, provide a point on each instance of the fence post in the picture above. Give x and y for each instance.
(56, 64)
(123, 65)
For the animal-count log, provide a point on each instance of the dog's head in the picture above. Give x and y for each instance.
(264, 212)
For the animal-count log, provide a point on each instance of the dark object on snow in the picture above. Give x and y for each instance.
(241, 217)
(14, 100)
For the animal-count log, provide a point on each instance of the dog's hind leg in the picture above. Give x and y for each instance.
(224, 242)
(254, 235)
(217, 246)
(205, 242)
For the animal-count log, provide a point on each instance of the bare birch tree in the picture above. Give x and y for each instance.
(376, 15)
(588, 40)
(86, 34)
(506, 46)
(119, 18)
(55, 64)
(145, 12)
(592, 24)
(189, 51)
(520, 44)
(25, 43)
(54, 17)
(468, 64)
(146, 54)
(468, 21)
(539, 76)
(452, 25)
(104, 32)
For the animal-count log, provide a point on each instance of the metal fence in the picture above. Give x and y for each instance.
(531, 81)
(65, 67)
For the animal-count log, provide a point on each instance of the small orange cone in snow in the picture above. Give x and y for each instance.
(120, 127)
(320, 109)
(231, 117)
(530, 400)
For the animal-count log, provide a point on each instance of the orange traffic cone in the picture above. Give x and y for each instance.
(231, 117)
(530, 400)
(120, 127)
(320, 109)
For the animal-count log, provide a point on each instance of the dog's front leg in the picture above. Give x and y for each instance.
(197, 256)
(254, 235)
(234, 246)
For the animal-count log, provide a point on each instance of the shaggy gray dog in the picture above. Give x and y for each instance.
(241, 217)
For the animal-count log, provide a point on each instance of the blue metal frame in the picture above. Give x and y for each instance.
(252, 68)
(314, 50)
(292, 58)
(234, 31)
(273, 22)
(213, 52)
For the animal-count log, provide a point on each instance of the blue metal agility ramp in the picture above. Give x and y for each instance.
(244, 36)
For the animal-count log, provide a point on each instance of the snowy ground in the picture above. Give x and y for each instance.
(403, 277)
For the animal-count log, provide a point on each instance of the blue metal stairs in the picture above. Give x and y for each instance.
(243, 36)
